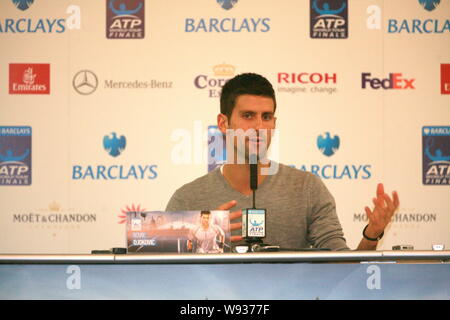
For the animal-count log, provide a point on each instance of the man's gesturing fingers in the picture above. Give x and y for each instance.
(227, 205)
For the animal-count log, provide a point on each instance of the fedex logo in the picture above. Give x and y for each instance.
(395, 81)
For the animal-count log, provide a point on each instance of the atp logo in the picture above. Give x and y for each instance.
(436, 155)
(125, 20)
(430, 5)
(114, 145)
(328, 21)
(227, 4)
(23, 4)
(15, 156)
(328, 145)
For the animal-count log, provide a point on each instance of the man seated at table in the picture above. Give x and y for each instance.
(301, 212)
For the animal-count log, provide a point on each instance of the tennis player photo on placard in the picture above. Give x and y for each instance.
(178, 232)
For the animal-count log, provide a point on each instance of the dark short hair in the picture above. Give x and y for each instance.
(246, 83)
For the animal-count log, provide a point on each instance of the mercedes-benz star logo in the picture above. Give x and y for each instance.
(85, 82)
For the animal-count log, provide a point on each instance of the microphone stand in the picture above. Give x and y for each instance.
(254, 242)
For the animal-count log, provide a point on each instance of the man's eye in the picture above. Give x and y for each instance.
(247, 115)
(267, 117)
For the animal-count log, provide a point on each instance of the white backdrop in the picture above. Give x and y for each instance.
(146, 90)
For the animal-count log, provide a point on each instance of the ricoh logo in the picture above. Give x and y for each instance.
(305, 82)
(394, 81)
(41, 25)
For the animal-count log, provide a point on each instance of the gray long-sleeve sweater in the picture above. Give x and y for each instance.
(301, 211)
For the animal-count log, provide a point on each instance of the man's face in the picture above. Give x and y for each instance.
(251, 112)
(205, 220)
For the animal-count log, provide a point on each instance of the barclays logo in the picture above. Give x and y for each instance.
(42, 25)
(226, 25)
(419, 26)
(227, 4)
(23, 4)
(328, 145)
(113, 145)
(429, 5)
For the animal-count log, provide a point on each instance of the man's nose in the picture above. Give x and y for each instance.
(259, 123)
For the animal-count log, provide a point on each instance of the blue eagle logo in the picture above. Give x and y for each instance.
(114, 146)
(23, 4)
(328, 146)
(227, 4)
(430, 5)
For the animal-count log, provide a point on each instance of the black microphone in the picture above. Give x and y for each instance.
(253, 177)
(253, 219)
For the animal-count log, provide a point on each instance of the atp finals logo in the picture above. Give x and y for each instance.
(15, 156)
(114, 144)
(436, 155)
(329, 19)
(125, 19)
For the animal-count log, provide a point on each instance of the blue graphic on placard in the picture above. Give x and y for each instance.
(436, 155)
(328, 145)
(15, 156)
(430, 5)
(227, 4)
(123, 10)
(114, 146)
(325, 10)
(23, 4)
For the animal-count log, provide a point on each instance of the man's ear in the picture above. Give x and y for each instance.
(222, 122)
